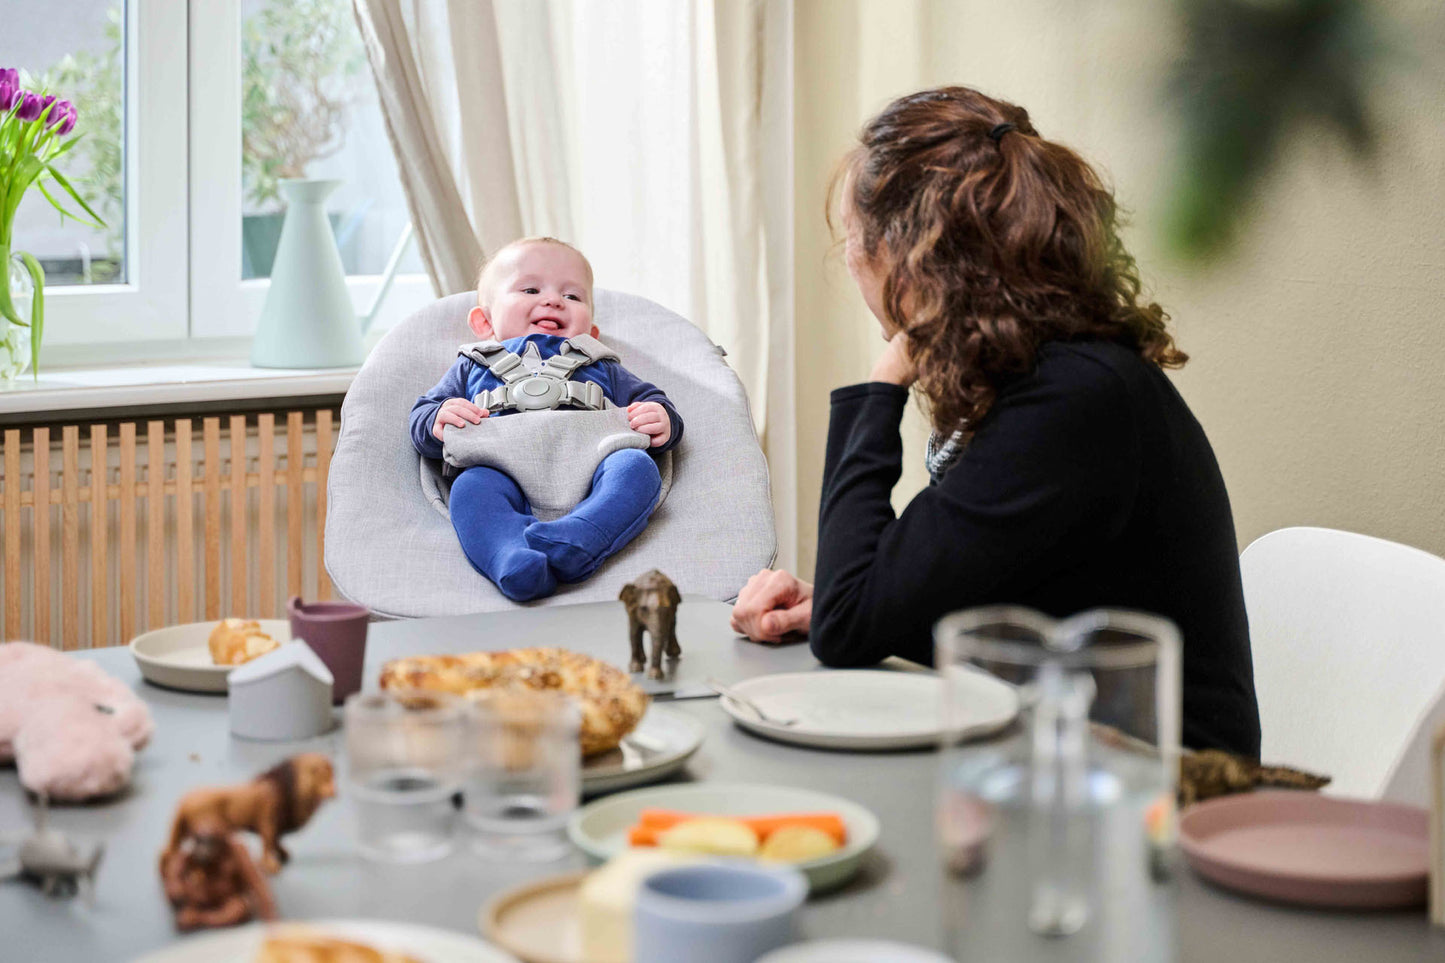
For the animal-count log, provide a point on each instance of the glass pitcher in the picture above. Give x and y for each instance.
(1057, 834)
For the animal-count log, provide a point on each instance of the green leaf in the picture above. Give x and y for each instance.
(63, 212)
(65, 148)
(24, 172)
(60, 179)
(37, 310)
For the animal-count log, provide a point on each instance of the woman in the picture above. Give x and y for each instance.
(1067, 472)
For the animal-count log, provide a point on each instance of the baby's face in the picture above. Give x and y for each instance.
(537, 289)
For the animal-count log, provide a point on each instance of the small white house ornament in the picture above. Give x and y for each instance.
(283, 695)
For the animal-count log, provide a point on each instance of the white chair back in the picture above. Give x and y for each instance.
(1348, 635)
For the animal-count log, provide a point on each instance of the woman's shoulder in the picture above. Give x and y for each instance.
(1099, 369)
(1104, 369)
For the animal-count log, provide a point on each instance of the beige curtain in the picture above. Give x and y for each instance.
(438, 77)
(654, 134)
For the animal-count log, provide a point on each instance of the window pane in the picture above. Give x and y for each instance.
(309, 109)
(84, 63)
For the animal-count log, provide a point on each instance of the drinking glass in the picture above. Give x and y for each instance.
(523, 773)
(1057, 834)
(404, 755)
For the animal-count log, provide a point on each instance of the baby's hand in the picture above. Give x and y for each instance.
(650, 418)
(459, 412)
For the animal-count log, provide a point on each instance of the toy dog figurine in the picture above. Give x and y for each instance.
(279, 801)
(652, 603)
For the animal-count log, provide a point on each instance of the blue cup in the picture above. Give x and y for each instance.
(716, 913)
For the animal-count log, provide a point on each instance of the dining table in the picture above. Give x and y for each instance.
(901, 893)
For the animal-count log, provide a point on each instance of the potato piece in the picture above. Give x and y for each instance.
(797, 844)
(714, 836)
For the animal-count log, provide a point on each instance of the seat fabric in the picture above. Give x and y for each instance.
(389, 548)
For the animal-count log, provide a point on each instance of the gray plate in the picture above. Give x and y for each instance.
(660, 745)
(179, 656)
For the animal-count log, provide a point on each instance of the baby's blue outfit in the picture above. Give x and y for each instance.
(526, 558)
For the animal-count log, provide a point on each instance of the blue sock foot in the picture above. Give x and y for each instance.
(573, 546)
(522, 574)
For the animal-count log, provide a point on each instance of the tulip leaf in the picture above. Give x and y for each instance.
(64, 213)
(65, 147)
(60, 179)
(25, 171)
(37, 310)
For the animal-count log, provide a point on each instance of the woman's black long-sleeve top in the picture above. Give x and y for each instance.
(1088, 483)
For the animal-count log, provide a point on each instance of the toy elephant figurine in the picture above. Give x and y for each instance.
(652, 602)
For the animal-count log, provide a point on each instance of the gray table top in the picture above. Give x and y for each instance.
(901, 894)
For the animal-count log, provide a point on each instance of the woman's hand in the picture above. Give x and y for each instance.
(895, 367)
(651, 419)
(459, 412)
(771, 605)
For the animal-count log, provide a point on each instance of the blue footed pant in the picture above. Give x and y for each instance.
(526, 558)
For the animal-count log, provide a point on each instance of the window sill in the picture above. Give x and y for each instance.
(65, 393)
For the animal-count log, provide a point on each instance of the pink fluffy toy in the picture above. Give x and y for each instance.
(71, 729)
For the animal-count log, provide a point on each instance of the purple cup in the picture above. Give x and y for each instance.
(336, 631)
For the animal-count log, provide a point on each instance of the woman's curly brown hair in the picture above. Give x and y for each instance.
(989, 247)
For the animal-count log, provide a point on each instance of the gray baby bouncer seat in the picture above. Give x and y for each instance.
(389, 541)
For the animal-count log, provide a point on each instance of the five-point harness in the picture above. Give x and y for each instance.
(531, 384)
(568, 428)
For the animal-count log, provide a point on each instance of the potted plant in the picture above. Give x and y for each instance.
(298, 58)
(33, 128)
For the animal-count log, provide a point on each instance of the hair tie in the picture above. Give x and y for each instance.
(999, 130)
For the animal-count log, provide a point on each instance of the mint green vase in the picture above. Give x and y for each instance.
(308, 320)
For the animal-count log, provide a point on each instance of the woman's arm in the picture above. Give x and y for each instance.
(1051, 469)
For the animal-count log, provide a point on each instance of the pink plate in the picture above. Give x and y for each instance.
(1301, 847)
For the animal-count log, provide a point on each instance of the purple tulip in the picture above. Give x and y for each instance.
(30, 106)
(45, 104)
(63, 118)
(9, 88)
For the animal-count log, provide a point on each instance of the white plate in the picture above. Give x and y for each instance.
(868, 709)
(660, 745)
(178, 656)
(599, 829)
(853, 951)
(423, 942)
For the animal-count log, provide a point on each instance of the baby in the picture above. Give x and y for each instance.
(538, 292)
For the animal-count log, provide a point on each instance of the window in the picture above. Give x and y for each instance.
(84, 64)
(309, 109)
(286, 91)
(126, 283)
(191, 110)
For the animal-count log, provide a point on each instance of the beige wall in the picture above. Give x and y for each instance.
(1317, 344)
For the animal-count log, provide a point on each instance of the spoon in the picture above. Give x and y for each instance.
(749, 704)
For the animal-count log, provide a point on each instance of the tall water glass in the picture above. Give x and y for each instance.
(404, 763)
(523, 777)
(1057, 834)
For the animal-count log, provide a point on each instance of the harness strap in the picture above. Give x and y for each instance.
(548, 388)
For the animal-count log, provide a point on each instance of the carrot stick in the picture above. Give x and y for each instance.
(641, 835)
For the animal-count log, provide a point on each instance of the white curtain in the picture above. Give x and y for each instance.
(654, 134)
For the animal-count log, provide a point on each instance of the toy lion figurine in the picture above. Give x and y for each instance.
(279, 801)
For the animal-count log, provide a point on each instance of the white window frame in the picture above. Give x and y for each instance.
(184, 296)
(222, 305)
(151, 306)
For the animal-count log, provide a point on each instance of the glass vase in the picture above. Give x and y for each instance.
(15, 338)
